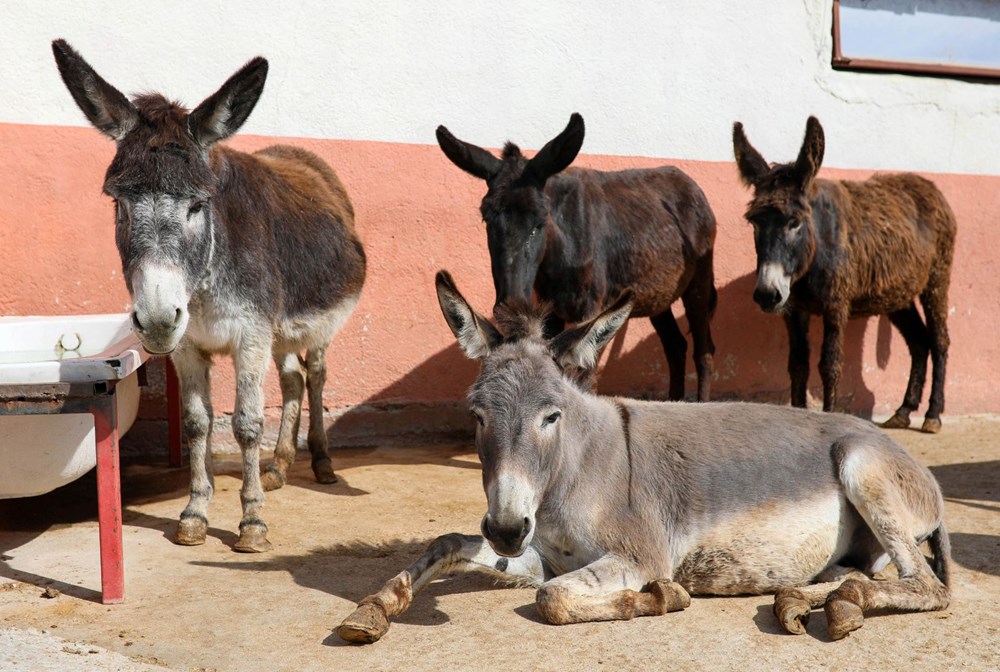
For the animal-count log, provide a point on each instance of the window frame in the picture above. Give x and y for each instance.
(842, 62)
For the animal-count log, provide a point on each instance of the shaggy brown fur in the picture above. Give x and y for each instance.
(843, 249)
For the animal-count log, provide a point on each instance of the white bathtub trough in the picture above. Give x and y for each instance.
(41, 452)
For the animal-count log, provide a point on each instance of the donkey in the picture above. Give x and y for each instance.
(616, 508)
(251, 255)
(579, 237)
(845, 249)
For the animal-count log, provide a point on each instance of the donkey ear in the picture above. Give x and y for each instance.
(470, 158)
(580, 347)
(752, 165)
(221, 114)
(105, 107)
(476, 336)
(811, 154)
(557, 153)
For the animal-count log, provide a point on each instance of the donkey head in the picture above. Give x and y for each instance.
(162, 182)
(521, 401)
(781, 214)
(515, 208)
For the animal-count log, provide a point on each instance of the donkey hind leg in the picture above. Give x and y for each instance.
(315, 380)
(935, 303)
(193, 368)
(608, 589)
(371, 619)
(675, 348)
(918, 342)
(794, 604)
(797, 324)
(700, 300)
(292, 376)
(250, 359)
(872, 485)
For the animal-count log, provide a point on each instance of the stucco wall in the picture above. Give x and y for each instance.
(365, 84)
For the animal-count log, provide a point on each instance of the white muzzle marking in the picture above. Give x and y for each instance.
(159, 303)
(772, 277)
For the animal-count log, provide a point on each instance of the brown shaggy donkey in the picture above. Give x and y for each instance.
(845, 249)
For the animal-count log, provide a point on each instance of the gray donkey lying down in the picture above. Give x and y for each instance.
(616, 508)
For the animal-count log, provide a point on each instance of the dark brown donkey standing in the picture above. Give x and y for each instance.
(580, 237)
(845, 249)
(250, 255)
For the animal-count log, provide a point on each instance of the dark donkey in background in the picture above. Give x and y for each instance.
(580, 237)
(845, 249)
(253, 255)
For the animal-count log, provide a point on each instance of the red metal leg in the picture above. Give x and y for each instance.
(174, 416)
(109, 500)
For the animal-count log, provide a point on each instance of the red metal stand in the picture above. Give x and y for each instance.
(176, 456)
(109, 499)
(99, 400)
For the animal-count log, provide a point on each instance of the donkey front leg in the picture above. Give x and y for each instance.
(608, 589)
(250, 359)
(371, 619)
(797, 323)
(831, 360)
(193, 368)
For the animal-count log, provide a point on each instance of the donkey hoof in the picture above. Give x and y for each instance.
(191, 531)
(897, 421)
(792, 611)
(671, 596)
(253, 539)
(842, 617)
(272, 479)
(366, 625)
(931, 425)
(323, 469)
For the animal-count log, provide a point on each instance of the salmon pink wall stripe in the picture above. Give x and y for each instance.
(417, 213)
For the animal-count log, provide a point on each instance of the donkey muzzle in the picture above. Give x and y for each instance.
(773, 287)
(159, 315)
(508, 537)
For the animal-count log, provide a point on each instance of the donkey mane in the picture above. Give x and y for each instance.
(510, 151)
(159, 155)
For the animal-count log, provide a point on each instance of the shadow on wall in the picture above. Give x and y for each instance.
(426, 404)
(751, 357)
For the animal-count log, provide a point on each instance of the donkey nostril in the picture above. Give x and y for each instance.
(177, 316)
(136, 324)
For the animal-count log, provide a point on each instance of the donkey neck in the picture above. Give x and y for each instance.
(594, 444)
(568, 276)
(234, 278)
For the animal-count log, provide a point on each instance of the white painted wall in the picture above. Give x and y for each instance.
(652, 78)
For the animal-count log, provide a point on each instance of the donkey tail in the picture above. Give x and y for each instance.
(941, 552)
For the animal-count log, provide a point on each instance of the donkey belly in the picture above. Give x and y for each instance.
(314, 330)
(776, 544)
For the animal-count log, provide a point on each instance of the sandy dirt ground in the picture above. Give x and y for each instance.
(208, 608)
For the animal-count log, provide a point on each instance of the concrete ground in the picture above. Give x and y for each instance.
(208, 608)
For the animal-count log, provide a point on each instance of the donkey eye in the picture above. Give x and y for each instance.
(196, 207)
(479, 417)
(551, 418)
(794, 224)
